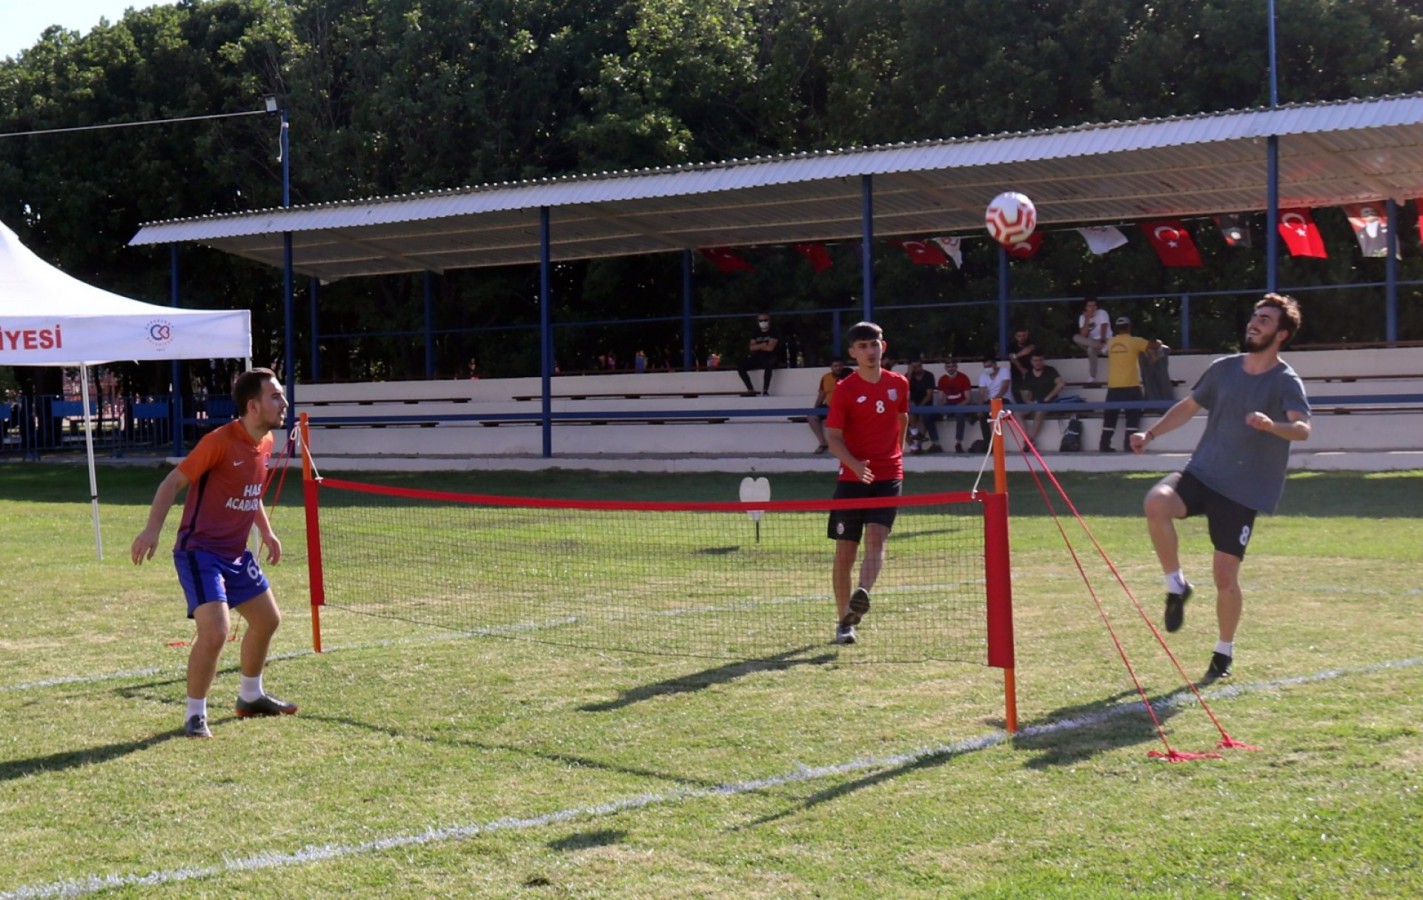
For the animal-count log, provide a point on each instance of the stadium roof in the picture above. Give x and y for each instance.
(1331, 153)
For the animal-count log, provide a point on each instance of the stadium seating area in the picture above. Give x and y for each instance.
(1368, 402)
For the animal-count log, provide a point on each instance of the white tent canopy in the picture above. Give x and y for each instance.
(48, 318)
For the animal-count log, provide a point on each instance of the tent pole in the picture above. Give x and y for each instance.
(89, 448)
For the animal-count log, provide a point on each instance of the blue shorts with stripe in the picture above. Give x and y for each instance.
(209, 578)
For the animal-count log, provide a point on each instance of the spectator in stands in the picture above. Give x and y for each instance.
(923, 433)
(866, 427)
(1256, 407)
(1124, 353)
(955, 390)
(761, 354)
(1093, 331)
(994, 383)
(822, 400)
(1042, 384)
(1020, 354)
(639, 362)
(216, 570)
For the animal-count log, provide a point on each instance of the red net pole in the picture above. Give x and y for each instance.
(999, 583)
(310, 492)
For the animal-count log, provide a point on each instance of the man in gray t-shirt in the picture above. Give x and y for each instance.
(1255, 406)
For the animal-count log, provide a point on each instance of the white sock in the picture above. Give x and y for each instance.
(1225, 647)
(197, 707)
(251, 688)
(1175, 582)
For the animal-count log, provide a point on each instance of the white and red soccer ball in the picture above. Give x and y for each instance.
(1010, 218)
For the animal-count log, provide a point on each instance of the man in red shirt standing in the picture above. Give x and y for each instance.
(225, 476)
(866, 427)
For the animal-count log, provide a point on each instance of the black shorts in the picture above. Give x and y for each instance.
(1230, 523)
(849, 524)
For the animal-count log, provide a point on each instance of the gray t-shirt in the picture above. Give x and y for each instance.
(1233, 459)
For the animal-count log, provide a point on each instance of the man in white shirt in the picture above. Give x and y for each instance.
(1094, 329)
(994, 383)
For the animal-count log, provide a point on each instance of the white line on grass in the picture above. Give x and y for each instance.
(325, 852)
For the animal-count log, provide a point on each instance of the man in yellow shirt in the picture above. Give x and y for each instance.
(1124, 352)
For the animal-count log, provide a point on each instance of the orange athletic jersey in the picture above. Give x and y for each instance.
(227, 470)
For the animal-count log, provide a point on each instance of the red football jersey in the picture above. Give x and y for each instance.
(868, 415)
(227, 471)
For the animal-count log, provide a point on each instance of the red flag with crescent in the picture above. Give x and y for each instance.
(1172, 243)
(1301, 234)
(815, 254)
(1027, 248)
(924, 253)
(727, 260)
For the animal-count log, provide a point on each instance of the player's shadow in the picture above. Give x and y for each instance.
(73, 759)
(699, 681)
(1071, 734)
(563, 760)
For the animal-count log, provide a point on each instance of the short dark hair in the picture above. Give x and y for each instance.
(864, 331)
(1290, 319)
(248, 387)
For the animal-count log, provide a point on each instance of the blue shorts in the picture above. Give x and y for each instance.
(208, 578)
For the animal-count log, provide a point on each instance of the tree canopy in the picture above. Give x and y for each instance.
(397, 96)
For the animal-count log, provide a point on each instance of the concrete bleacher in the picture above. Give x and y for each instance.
(704, 420)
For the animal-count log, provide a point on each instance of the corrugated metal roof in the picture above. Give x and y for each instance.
(1330, 154)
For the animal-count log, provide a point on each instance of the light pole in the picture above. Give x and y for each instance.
(289, 322)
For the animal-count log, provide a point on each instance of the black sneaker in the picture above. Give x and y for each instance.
(1219, 668)
(844, 634)
(265, 705)
(1176, 608)
(197, 727)
(859, 605)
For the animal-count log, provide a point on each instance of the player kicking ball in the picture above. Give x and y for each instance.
(865, 429)
(224, 477)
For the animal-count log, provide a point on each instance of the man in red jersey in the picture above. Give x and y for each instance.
(224, 477)
(866, 426)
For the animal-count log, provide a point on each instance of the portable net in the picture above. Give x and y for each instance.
(695, 579)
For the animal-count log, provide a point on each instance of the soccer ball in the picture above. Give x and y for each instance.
(1010, 218)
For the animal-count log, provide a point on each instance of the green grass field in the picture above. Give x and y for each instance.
(431, 763)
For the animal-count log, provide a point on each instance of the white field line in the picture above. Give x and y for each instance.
(326, 852)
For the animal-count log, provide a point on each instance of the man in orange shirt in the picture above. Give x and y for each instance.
(225, 476)
(866, 428)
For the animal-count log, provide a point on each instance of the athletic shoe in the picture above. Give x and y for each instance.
(859, 605)
(265, 705)
(1220, 668)
(197, 727)
(1176, 608)
(844, 634)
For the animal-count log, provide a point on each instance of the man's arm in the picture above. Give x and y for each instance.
(1057, 387)
(1175, 417)
(1296, 429)
(269, 537)
(163, 499)
(835, 440)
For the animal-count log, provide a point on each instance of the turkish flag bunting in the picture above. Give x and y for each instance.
(952, 247)
(815, 254)
(727, 260)
(1233, 229)
(1172, 243)
(1301, 234)
(924, 253)
(1026, 248)
(1370, 227)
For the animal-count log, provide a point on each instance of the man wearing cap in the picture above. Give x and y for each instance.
(1124, 352)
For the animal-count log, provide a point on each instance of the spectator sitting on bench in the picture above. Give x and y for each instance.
(1042, 384)
(822, 401)
(1094, 329)
(994, 383)
(955, 390)
(761, 354)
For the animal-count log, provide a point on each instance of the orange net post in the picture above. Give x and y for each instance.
(310, 488)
